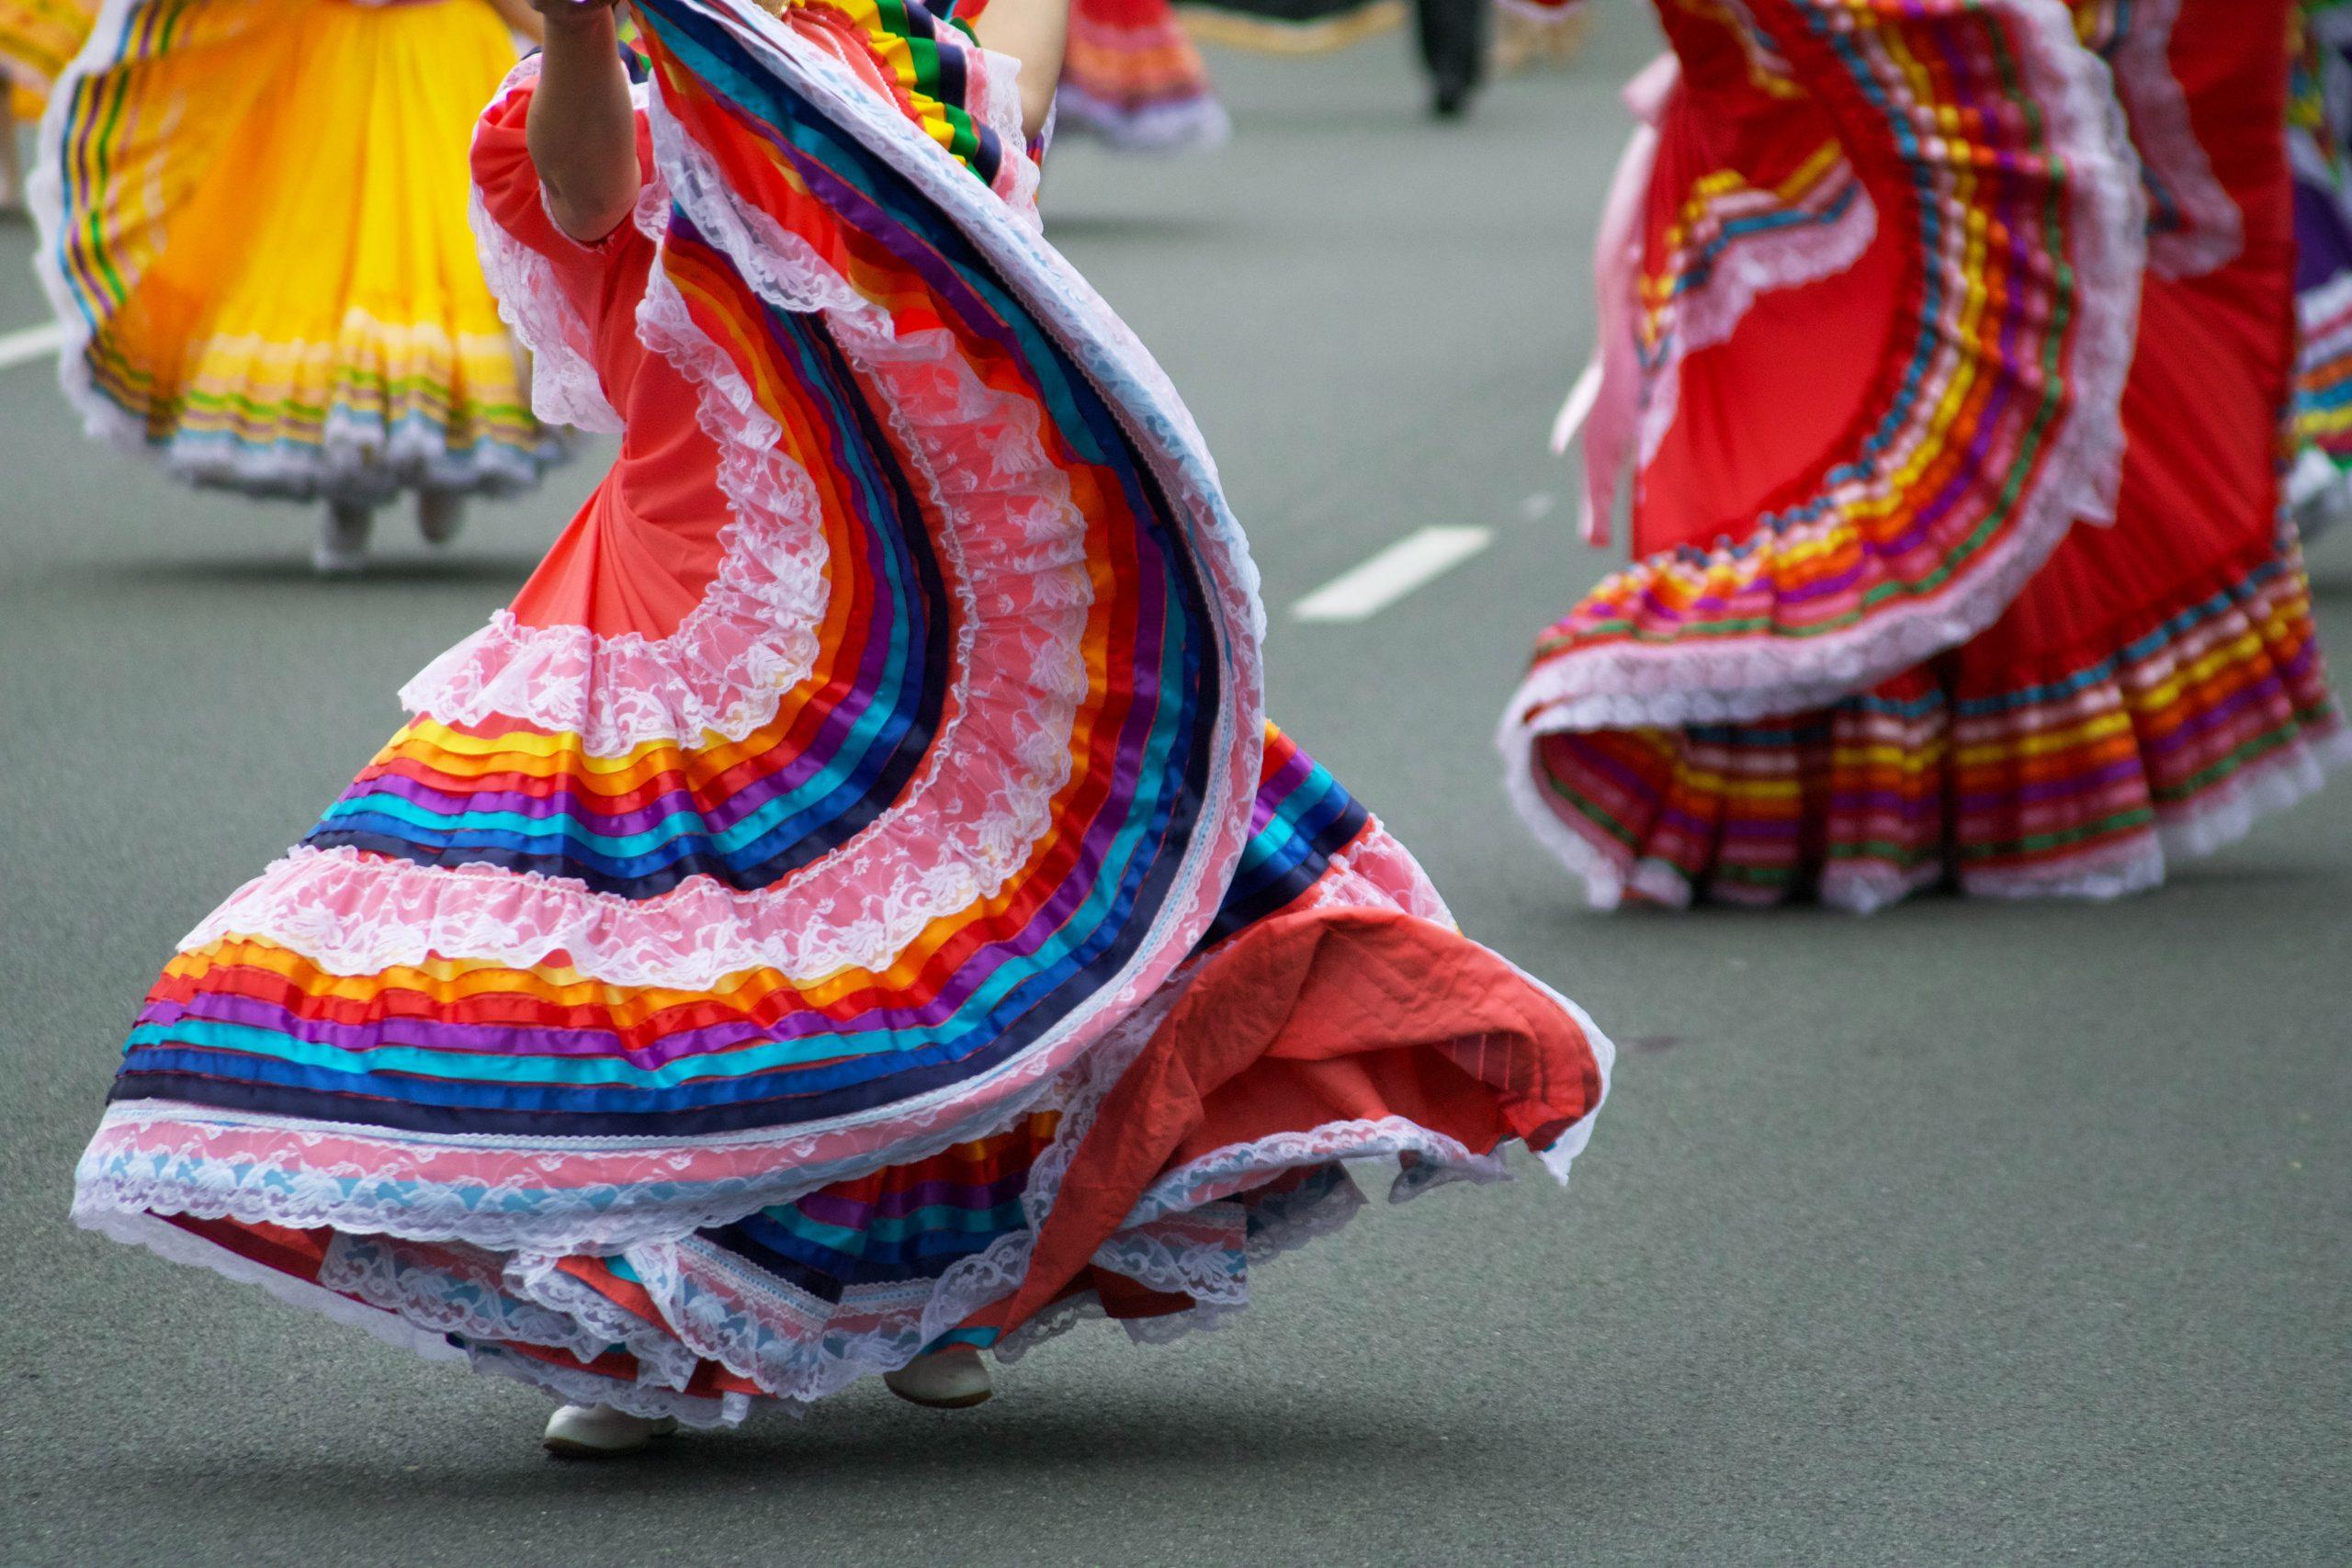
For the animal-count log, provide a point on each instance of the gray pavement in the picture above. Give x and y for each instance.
(1966, 1233)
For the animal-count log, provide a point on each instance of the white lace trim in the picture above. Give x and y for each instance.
(387, 1274)
(1375, 872)
(166, 1159)
(1633, 686)
(170, 1243)
(1745, 272)
(352, 914)
(725, 670)
(1103, 345)
(2319, 494)
(963, 828)
(1282, 1231)
(795, 1349)
(2208, 823)
(565, 388)
(798, 1369)
(578, 1385)
(1238, 1168)
(2110, 870)
(997, 91)
(2170, 153)
(1190, 125)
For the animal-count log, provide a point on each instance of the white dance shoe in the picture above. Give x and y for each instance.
(954, 1379)
(599, 1431)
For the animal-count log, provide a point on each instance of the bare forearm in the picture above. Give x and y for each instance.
(1034, 32)
(582, 131)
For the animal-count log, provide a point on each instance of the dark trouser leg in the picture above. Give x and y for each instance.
(1454, 46)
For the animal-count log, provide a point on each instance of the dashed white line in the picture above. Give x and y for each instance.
(1411, 563)
(33, 343)
(1582, 399)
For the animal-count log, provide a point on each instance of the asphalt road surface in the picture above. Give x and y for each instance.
(1970, 1232)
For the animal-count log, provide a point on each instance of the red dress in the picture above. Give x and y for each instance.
(1131, 76)
(1960, 346)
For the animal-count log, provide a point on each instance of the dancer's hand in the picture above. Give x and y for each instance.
(582, 131)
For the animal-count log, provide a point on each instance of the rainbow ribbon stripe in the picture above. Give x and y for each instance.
(1131, 76)
(1897, 787)
(676, 1022)
(1939, 482)
(479, 1045)
(1756, 718)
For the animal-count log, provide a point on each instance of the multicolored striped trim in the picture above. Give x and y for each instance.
(875, 916)
(732, 1036)
(2193, 225)
(1990, 431)
(1729, 243)
(931, 61)
(1304, 820)
(1762, 720)
(2319, 96)
(2323, 371)
(1132, 78)
(2074, 785)
(1081, 892)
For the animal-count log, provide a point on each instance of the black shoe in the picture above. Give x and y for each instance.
(1451, 99)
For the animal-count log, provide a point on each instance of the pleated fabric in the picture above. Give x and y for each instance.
(852, 902)
(2319, 115)
(37, 39)
(1959, 358)
(1132, 78)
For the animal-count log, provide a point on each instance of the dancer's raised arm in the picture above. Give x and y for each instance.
(582, 131)
(1032, 31)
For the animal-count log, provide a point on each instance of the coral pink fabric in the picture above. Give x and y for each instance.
(1303, 1021)
(640, 551)
(1320, 1015)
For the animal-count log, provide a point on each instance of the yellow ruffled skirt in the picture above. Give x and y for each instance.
(255, 231)
(36, 38)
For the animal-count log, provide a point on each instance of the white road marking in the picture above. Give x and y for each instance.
(1582, 398)
(1412, 562)
(33, 343)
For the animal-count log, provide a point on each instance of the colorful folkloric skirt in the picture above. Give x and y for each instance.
(254, 230)
(2319, 119)
(37, 39)
(1952, 349)
(1131, 76)
(924, 941)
